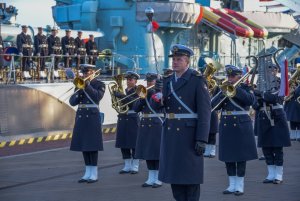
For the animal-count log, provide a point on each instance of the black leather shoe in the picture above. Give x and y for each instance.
(133, 172)
(267, 181)
(124, 172)
(226, 192)
(206, 156)
(146, 185)
(91, 181)
(211, 156)
(238, 193)
(262, 158)
(276, 181)
(156, 185)
(82, 180)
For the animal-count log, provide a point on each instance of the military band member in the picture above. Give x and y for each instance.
(68, 47)
(149, 134)
(186, 101)
(272, 130)
(41, 49)
(54, 46)
(127, 127)
(80, 49)
(292, 109)
(87, 132)
(236, 136)
(91, 49)
(25, 48)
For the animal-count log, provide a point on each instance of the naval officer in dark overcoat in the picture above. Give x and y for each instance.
(272, 130)
(68, 48)
(236, 135)
(87, 132)
(149, 133)
(127, 126)
(186, 100)
(292, 109)
(25, 48)
(41, 49)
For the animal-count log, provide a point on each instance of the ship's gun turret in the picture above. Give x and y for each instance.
(8, 14)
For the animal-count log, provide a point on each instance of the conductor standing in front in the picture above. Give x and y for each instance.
(186, 100)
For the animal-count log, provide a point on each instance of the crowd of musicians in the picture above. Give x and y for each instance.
(174, 125)
(74, 51)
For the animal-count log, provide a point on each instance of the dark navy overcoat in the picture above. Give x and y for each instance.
(268, 135)
(179, 163)
(127, 126)
(149, 132)
(87, 132)
(292, 107)
(236, 135)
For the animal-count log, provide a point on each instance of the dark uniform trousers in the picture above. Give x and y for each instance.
(90, 158)
(152, 164)
(273, 155)
(128, 153)
(186, 192)
(54, 43)
(236, 168)
(22, 41)
(212, 138)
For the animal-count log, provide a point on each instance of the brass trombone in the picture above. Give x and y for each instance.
(141, 91)
(230, 89)
(79, 83)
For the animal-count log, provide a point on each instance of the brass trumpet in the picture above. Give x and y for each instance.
(230, 89)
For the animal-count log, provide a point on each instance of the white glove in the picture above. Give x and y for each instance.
(21, 54)
(67, 54)
(38, 54)
(75, 55)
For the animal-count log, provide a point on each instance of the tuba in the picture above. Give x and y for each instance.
(293, 83)
(211, 67)
(118, 87)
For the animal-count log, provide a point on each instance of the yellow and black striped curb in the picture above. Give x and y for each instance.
(61, 136)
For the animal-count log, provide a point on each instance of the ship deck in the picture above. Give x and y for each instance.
(52, 175)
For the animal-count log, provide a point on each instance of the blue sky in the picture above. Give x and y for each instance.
(41, 15)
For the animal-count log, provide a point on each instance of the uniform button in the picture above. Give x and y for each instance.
(225, 117)
(225, 103)
(149, 119)
(180, 97)
(178, 119)
(179, 108)
(234, 117)
(168, 108)
(120, 118)
(142, 125)
(169, 128)
(126, 119)
(79, 116)
(76, 96)
(234, 125)
(263, 118)
(168, 97)
(177, 129)
(87, 108)
(149, 125)
(80, 95)
(225, 124)
(87, 115)
(80, 102)
(79, 109)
